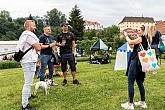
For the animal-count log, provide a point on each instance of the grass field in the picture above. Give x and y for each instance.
(101, 89)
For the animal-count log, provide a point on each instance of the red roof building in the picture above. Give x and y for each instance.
(160, 26)
(92, 25)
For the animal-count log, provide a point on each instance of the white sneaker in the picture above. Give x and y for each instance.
(141, 104)
(53, 83)
(127, 106)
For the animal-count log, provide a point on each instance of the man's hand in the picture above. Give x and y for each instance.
(52, 44)
(125, 34)
(62, 44)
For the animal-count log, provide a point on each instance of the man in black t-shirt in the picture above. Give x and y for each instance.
(46, 55)
(66, 42)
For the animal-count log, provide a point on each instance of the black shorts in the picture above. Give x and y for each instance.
(70, 59)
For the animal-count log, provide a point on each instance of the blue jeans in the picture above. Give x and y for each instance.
(29, 71)
(46, 60)
(132, 76)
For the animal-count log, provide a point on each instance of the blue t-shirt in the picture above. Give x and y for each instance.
(46, 40)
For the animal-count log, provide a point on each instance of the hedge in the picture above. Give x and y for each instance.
(9, 64)
(81, 59)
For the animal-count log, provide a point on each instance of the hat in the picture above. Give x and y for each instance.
(63, 24)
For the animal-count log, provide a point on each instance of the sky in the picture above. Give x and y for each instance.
(106, 12)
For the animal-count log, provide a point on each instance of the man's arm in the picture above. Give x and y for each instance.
(73, 47)
(59, 44)
(37, 46)
(42, 41)
(47, 46)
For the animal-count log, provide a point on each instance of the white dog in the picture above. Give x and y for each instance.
(43, 84)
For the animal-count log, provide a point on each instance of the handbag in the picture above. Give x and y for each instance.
(162, 44)
(148, 59)
(18, 55)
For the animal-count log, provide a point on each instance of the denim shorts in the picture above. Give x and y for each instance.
(70, 59)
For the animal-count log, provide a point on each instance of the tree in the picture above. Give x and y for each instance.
(111, 31)
(55, 17)
(77, 23)
(89, 34)
(30, 17)
(85, 45)
(117, 42)
(5, 15)
(6, 24)
(40, 26)
(111, 36)
(19, 22)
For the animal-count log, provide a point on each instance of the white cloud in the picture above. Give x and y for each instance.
(107, 12)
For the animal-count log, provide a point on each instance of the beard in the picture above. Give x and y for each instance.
(33, 30)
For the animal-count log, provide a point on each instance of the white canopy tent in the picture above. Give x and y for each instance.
(122, 56)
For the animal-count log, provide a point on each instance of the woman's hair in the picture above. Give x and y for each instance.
(153, 30)
(142, 28)
(148, 35)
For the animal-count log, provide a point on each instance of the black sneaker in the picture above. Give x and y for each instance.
(28, 107)
(76, 82)
(32, 97)
(64, 82)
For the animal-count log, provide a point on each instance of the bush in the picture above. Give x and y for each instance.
(9, 64)
(81, 59)
(113, 56)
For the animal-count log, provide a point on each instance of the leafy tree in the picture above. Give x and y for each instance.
(55, 17)
(30, 17)
(111, 36)
(89, 34)
(4, 38)
(19, 22)
(5, 15)
(39, 26)
(11, 35)
(85, 45)
(6, 24)
(77, 22)
(109, 32)
(56, 31)
(117, 42)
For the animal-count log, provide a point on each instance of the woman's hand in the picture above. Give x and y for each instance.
(125, 34)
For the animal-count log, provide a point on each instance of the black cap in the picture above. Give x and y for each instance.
(64, 24)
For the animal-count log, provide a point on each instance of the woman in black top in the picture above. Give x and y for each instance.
(135, 71)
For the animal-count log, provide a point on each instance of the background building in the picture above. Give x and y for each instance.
(7, 48)
(160, 26)
(135, 22)
(89, 25)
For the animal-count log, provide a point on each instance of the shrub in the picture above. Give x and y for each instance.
(81, 59)
(9, 64)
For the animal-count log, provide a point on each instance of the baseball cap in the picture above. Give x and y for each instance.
(64, 24)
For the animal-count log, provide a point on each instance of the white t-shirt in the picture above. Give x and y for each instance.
(26, 40)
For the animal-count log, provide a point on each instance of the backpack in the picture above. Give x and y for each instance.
(162, 44)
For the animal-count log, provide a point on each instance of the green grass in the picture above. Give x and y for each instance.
(101, 89)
